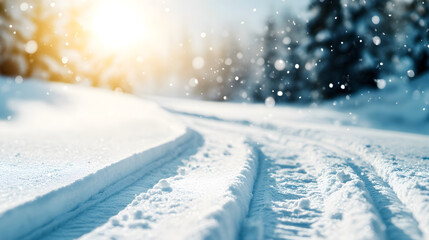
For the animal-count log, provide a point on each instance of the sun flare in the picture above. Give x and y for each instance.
(117, 24)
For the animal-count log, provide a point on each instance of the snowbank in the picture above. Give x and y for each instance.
(323, 180)
(60, 145)
(200, 195)
(401, 106)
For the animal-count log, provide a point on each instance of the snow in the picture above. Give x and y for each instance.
(399, 105)
(321, 180)
(60, 145)
(207, 202)
(211, 171)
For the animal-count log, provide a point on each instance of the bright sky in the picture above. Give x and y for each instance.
(164, 23)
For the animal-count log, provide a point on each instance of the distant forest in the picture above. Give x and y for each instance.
(338, 48)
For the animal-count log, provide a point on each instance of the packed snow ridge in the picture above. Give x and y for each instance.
(80, 163)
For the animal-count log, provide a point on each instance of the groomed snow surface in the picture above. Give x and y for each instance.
(91, 164)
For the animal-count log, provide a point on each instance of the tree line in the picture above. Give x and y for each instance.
(336, 48)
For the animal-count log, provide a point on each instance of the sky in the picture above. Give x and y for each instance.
(165, 23)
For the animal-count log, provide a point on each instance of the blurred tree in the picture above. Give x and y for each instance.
(338, 51)
(377, 24)
(294, 75)
(271, 77)
(224, 72)
(183, 57)
(203, 81)
(232, 69)
(46, 61)
(15, 32)
(46, 40)
(416, 14)
(221, 83)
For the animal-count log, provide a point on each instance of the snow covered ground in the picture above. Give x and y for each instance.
(399, 106)
(60, 145)
(202, 171)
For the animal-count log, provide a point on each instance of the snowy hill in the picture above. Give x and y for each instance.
(62, 144)
(399, 106)
(90, 164)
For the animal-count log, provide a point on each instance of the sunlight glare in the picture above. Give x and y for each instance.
(117, 24)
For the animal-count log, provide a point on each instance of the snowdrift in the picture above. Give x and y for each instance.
(400, 106)
(62, 145)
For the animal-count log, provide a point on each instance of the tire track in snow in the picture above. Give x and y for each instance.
(398, 219)
(200, 196)
(253, 226)
(393, 213)
(293, 209)
(348, 210)
(97, 210)
(286, 198)
(397, 216)
(405, 184)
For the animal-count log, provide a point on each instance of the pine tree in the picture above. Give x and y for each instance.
(377, 23)
(46, 63)
(203, 80)
(336, 46)
(416, 15)
(271, 77)
(293, 76)
(15, 32)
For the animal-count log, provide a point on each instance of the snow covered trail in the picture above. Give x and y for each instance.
(329, 182)
(306, 182)
(62, 145)
(212, 171)
(99, 212)
(200, 195)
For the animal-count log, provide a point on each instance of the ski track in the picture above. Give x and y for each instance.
(207, 198)
(206, 192)
(397, 213)
(397, 218)
(306, 183)
(389, 218)
(99, 214)
(115, 179)
(287, 201)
